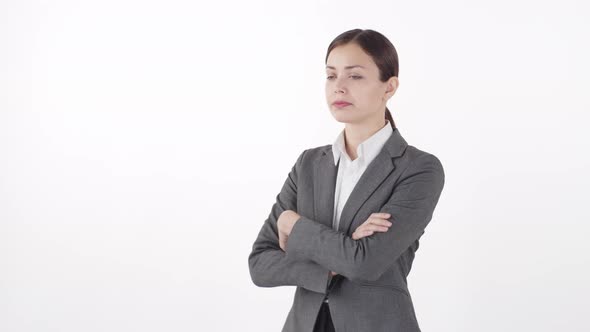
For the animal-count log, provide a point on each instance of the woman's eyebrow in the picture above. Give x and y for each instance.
(347, 67)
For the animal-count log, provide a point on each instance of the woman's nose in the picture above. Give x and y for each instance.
(339, 86)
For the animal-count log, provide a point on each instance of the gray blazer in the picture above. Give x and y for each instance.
(370, 293)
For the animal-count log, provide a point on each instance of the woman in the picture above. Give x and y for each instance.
(346, 225)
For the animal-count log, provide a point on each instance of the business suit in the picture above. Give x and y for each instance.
(370, 293)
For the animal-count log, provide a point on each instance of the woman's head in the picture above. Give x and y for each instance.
(368, 87)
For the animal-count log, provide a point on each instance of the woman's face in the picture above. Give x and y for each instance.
(359, 85)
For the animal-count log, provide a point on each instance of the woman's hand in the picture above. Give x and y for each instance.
(287, 220)
(377, 222)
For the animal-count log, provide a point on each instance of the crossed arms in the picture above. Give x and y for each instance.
(314, 249)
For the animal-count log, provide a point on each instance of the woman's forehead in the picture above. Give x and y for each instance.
(347, 58)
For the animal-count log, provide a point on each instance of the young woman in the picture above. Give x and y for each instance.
(347, 222)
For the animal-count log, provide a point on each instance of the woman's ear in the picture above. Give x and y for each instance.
(391, 87)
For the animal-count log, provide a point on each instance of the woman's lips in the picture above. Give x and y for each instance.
(341, 104)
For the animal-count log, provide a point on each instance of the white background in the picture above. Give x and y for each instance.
(142, 144)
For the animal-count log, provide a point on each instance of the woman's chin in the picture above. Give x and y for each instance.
(341, 117)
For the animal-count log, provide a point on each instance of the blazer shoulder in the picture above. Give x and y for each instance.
(413, 153)
(421, 159)
(313, 153)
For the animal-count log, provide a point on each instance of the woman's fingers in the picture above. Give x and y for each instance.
(368, 229)
(380, 218)
(377, 222)
(375, 228)
(381, 214)
(282, 241)
(359, 234)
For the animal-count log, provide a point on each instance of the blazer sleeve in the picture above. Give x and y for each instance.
(268, 263)
(411, 206)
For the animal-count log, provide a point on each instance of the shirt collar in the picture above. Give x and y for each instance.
(368, 149)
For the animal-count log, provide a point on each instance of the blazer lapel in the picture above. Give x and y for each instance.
(375, 173)
(324, 185)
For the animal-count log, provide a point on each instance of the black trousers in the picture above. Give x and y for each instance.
(323, 322)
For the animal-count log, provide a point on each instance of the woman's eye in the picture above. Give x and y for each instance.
(356, 77)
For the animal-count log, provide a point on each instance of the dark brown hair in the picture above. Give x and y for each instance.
(378, 47)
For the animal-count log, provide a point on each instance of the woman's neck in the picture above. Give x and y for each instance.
(356, 133)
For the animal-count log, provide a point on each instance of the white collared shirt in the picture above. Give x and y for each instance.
(349, 171)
